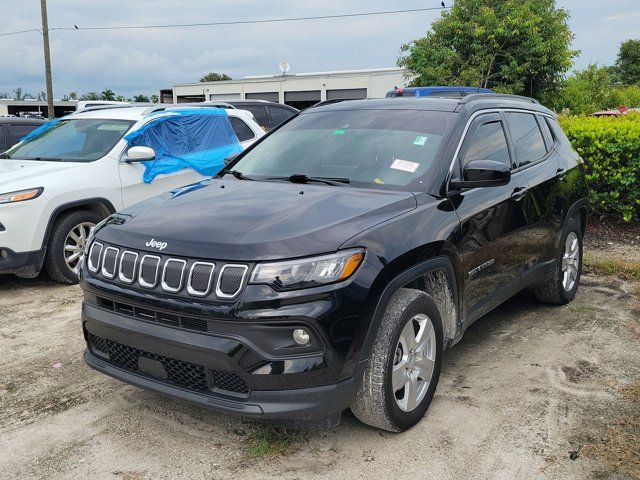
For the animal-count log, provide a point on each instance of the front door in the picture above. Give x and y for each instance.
(492, 224)
(134, 189)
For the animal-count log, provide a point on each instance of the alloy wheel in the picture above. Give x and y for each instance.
(413, 362)
(570, 261)
(74, 244)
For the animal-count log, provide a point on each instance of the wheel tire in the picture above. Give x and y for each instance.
(553, 291)
(375, 402)
(54, 263)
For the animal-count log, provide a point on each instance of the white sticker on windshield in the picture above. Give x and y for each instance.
(404, 165)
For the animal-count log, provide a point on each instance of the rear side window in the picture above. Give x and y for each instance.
(243, 132)
(528, 142)
(279, 115)
(259, 114)
(488, 143)
(16, 132)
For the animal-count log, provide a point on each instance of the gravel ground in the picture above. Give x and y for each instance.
(527, 385)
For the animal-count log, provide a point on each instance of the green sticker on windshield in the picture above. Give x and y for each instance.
(420, 140)
(340, 131)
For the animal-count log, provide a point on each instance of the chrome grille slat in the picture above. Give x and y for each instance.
(170, 284)
(147, 262)
(125, 268)
(107, 262)
(231, 286)
(95, 255)
(199, 268)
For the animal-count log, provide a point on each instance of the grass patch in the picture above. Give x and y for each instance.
(612, 266)
(618, 448)
(580, 308)
(269, 441)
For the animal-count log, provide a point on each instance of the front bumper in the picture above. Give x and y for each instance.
(224, 372)
(24, 264)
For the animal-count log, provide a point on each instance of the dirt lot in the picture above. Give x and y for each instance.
(528, 385)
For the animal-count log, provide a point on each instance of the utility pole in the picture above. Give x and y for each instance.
(47, 58)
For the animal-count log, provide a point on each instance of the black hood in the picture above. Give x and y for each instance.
(253, 220)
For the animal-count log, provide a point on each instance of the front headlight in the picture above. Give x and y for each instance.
(308, 272)
(20, 195)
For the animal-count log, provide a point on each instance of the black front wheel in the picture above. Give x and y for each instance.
(404, 368)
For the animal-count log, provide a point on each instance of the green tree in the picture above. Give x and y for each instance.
(90, 96)
(141, 98)
(17, 94)
(627, 67)
(108, 94)
(512, 46)
(585, 91)
(120, 98)
(215, 77)
(155, 99)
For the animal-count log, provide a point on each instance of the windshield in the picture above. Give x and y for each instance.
(370, 148)
(75, 140)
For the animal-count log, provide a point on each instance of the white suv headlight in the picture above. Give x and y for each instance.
(308, 272)
(20, 195)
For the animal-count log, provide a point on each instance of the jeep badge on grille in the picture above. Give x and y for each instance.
(153, 243)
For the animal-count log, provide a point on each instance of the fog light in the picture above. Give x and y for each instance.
(301, 336)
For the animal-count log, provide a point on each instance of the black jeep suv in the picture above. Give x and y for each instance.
(331, 264)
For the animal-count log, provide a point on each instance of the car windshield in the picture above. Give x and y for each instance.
(74, 140)
(371, 148)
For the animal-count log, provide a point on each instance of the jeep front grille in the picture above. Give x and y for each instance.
(172, 275)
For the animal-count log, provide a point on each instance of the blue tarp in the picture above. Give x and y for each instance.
(42, 128)
(195, 138)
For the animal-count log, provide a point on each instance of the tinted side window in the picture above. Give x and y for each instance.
(3, 143)
(259, 114)
(279, 115)
(528, 143)
(488, 142)
(243, 132)
(16, 132)
(546, 132)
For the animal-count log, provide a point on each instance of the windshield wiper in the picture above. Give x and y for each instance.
(235, 173)
(300, 178)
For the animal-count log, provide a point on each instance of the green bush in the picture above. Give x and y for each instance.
(610, 148)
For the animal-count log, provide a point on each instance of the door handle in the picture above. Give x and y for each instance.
(518, 193)
(561, 173)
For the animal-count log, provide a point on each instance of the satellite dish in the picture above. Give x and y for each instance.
(284, 67)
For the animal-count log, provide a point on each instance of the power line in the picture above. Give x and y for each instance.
(237, 22)
(19, 32)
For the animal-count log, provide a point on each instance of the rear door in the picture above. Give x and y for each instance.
(491, 219)
(540, 163)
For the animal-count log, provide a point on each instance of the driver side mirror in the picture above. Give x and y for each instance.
(483, 173)
(140, 154)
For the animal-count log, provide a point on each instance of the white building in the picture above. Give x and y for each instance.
(19, 108)
(299, 90)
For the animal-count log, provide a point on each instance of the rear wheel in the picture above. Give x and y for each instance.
(405, 364)
(561, 288)
(66, 245)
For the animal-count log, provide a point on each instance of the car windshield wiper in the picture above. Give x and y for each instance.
(235, 173)
(299, 178)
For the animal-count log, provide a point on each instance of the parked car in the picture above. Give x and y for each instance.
(357, 242)
(445, 92)
(616, 112)
(58, 185)
(12, 129)
(268, 114)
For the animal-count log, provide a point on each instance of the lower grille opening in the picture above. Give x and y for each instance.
(183, 374)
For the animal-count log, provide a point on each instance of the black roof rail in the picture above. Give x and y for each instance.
(492, 96)
(103, 107)
(170, 106)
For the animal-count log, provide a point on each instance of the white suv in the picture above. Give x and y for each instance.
(49, 201)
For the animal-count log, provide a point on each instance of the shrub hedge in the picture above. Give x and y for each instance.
(610, 147)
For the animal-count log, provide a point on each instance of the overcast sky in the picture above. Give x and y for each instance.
(143, 61)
